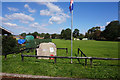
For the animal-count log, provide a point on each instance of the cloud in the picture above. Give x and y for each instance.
(107, 23)
(52, 7)
(12, 9)
(34, 24)
(45, 12)
(10, 24)
(3, 19)
(29, 9)
(102, 26)
(57, 19)
(38, 26)
(56, 13)
(20, 16)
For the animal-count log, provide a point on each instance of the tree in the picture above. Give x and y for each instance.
(76, 33)
(54, 36)
(42, 35)
(29, 33)
(112, 31)
(96, 35)
(81, 36)
(67, 34)
(47, 36)
(93, 33)
(62, 34)
(23, 34)
(35, 34)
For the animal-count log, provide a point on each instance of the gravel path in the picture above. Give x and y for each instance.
(11, 76)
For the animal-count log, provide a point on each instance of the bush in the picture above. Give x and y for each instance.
(9, 44)
(35, 42)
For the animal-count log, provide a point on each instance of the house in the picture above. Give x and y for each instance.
(85, 39)
(4, 31)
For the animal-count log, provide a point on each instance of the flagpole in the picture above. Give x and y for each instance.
(71, 32)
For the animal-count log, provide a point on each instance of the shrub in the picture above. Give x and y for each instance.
(9, 44)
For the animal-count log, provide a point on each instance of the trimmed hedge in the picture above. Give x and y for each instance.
(34, 43)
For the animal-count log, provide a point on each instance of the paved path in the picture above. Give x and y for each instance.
(10, 76)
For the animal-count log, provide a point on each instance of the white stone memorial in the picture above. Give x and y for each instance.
(46, 49)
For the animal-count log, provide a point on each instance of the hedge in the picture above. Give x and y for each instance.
(34, 43)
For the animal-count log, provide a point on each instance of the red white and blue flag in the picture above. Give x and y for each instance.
(71, 5)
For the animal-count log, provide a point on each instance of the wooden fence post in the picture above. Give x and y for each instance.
(22, 57)
(55, 60)
(91, 62)
(85, 62)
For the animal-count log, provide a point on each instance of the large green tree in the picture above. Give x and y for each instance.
(35, 34)
(93, 33)
(54, 36)
(81, 36)
(47, 36)
(76, 33)
(42, 35)
(112, 31)
(62, 34)
(66, 34)
(23, 34)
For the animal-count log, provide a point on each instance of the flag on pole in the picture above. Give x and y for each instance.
(71, 10)
(71, 5)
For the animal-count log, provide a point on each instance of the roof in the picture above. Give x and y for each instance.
(5, 31)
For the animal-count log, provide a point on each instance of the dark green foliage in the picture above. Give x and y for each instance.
(112, 31)
(81, 36)
(42, 34)
(66, 34)
(93, 33)
(47, 36)
(62, 34)
(23, 35)
(9, 44)
(54, 36)
(35, 34)
(96, 35)
(76, 33)
(35, 42)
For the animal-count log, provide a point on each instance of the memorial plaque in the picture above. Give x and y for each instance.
(46, 49)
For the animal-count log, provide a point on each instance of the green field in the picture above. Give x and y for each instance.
(101, 69)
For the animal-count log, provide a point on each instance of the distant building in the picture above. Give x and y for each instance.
(85, 39)
(4, 31)
(76, 39)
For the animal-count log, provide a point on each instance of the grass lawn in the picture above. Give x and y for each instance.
(101, 69)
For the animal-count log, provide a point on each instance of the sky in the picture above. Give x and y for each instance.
(52, 17)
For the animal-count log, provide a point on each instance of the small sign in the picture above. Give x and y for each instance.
(51, 49)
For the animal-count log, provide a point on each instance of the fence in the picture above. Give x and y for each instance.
(90, 58)
(64, 49)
